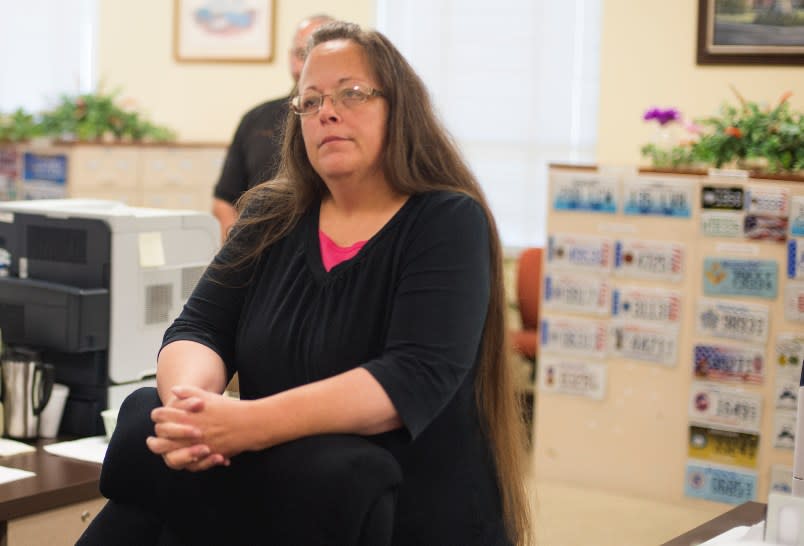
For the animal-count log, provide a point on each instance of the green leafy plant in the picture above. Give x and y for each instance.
(94, 116)
(746, 135)
(18, 126)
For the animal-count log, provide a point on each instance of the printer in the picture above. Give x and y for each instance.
(92, 285)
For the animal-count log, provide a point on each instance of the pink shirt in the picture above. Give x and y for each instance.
(332, 254)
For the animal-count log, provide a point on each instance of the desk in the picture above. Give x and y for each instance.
(59, 484)
(747, 513)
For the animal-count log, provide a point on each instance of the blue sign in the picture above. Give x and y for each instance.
(732, 277)
(718, 484)
(44, 167)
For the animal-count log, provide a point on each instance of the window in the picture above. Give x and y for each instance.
(516, 83)
(48, 51)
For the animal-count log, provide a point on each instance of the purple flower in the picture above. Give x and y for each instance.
(663, 116)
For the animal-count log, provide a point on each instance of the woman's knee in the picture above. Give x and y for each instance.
(128, 461)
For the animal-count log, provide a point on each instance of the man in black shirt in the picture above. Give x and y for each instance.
(253, 155)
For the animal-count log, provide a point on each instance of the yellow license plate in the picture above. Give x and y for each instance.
(723, 446)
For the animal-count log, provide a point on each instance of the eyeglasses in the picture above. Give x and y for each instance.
(311, 102)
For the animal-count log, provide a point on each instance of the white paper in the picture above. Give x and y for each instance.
(12, 474)
(152, 252)
(92, 449)
(13, 447)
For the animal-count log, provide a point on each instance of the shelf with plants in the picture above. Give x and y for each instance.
(89, 117)
(764, 140)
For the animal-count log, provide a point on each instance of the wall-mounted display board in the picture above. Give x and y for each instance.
(672, 333)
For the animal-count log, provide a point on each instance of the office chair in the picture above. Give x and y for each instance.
(528, 290)
(525, 340)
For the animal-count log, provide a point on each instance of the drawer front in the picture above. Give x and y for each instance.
(177, 168)
(189, 199)
(104, 167)
(57, 527)
(130, 197)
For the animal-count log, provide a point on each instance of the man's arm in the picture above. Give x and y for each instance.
(226, 215)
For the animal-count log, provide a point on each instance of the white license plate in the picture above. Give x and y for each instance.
(577, 293)
(784, 429)
(733, 320)
(573, 191)
(655, 305)
(644, 342)
(656, 260)
(574, 336)
(794, 301)
(572, 377)
(657, 197)
(720, 406)
(722, 224)
(724, 363)
(591, 254)
(773, 201)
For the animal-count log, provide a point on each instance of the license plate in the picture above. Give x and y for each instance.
(765, 228)
(781, 479)
(795, 259)
(786, 392)
(644, 342)
(719, 406)
(794, 301)
(573, 191)
(784, 429)
(729, 363)
(721, 224)
(655, 260)
(575, 336)
(797, 216)
(733, 277)
(577, 293)
(655, 305)
(723, 446)
(773, 201)
(722, 197)
(745, 322)
(651, 197)
(717, 484)
(789, 354)
(591, 254)
(573, 378)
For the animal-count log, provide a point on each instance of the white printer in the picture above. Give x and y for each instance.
(93, 285)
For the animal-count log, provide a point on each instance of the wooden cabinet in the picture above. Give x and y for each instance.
(56, 527)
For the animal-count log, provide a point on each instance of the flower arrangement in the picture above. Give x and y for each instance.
(91, 116)
(746, 135)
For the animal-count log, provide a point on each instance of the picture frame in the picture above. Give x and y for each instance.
(223, 31)
(750, 32)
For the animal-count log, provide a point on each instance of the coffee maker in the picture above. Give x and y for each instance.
(92, 285)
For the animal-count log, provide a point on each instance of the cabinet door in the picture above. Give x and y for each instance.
(57, 527)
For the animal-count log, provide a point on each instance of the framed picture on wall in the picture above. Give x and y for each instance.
(223, 31)
(751, 32)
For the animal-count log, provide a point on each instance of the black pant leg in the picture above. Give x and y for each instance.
(319, 490)
(122, 525)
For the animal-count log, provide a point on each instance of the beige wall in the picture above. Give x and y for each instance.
(648, 59)
(203, 102)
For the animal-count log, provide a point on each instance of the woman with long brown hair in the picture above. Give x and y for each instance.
(360, 300)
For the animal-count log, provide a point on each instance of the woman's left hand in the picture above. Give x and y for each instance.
(194, 418)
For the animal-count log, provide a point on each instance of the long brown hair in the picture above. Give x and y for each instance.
(419, 157)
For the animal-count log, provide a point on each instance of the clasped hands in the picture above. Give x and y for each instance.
(197, 430)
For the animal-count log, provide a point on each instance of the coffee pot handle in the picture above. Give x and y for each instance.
(46, 374)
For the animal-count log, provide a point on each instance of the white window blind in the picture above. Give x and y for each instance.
(48, 50)
(515, 82)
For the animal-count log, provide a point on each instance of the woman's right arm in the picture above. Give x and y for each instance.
(207, 371)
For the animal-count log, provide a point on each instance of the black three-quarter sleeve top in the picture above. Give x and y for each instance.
(410, 308)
